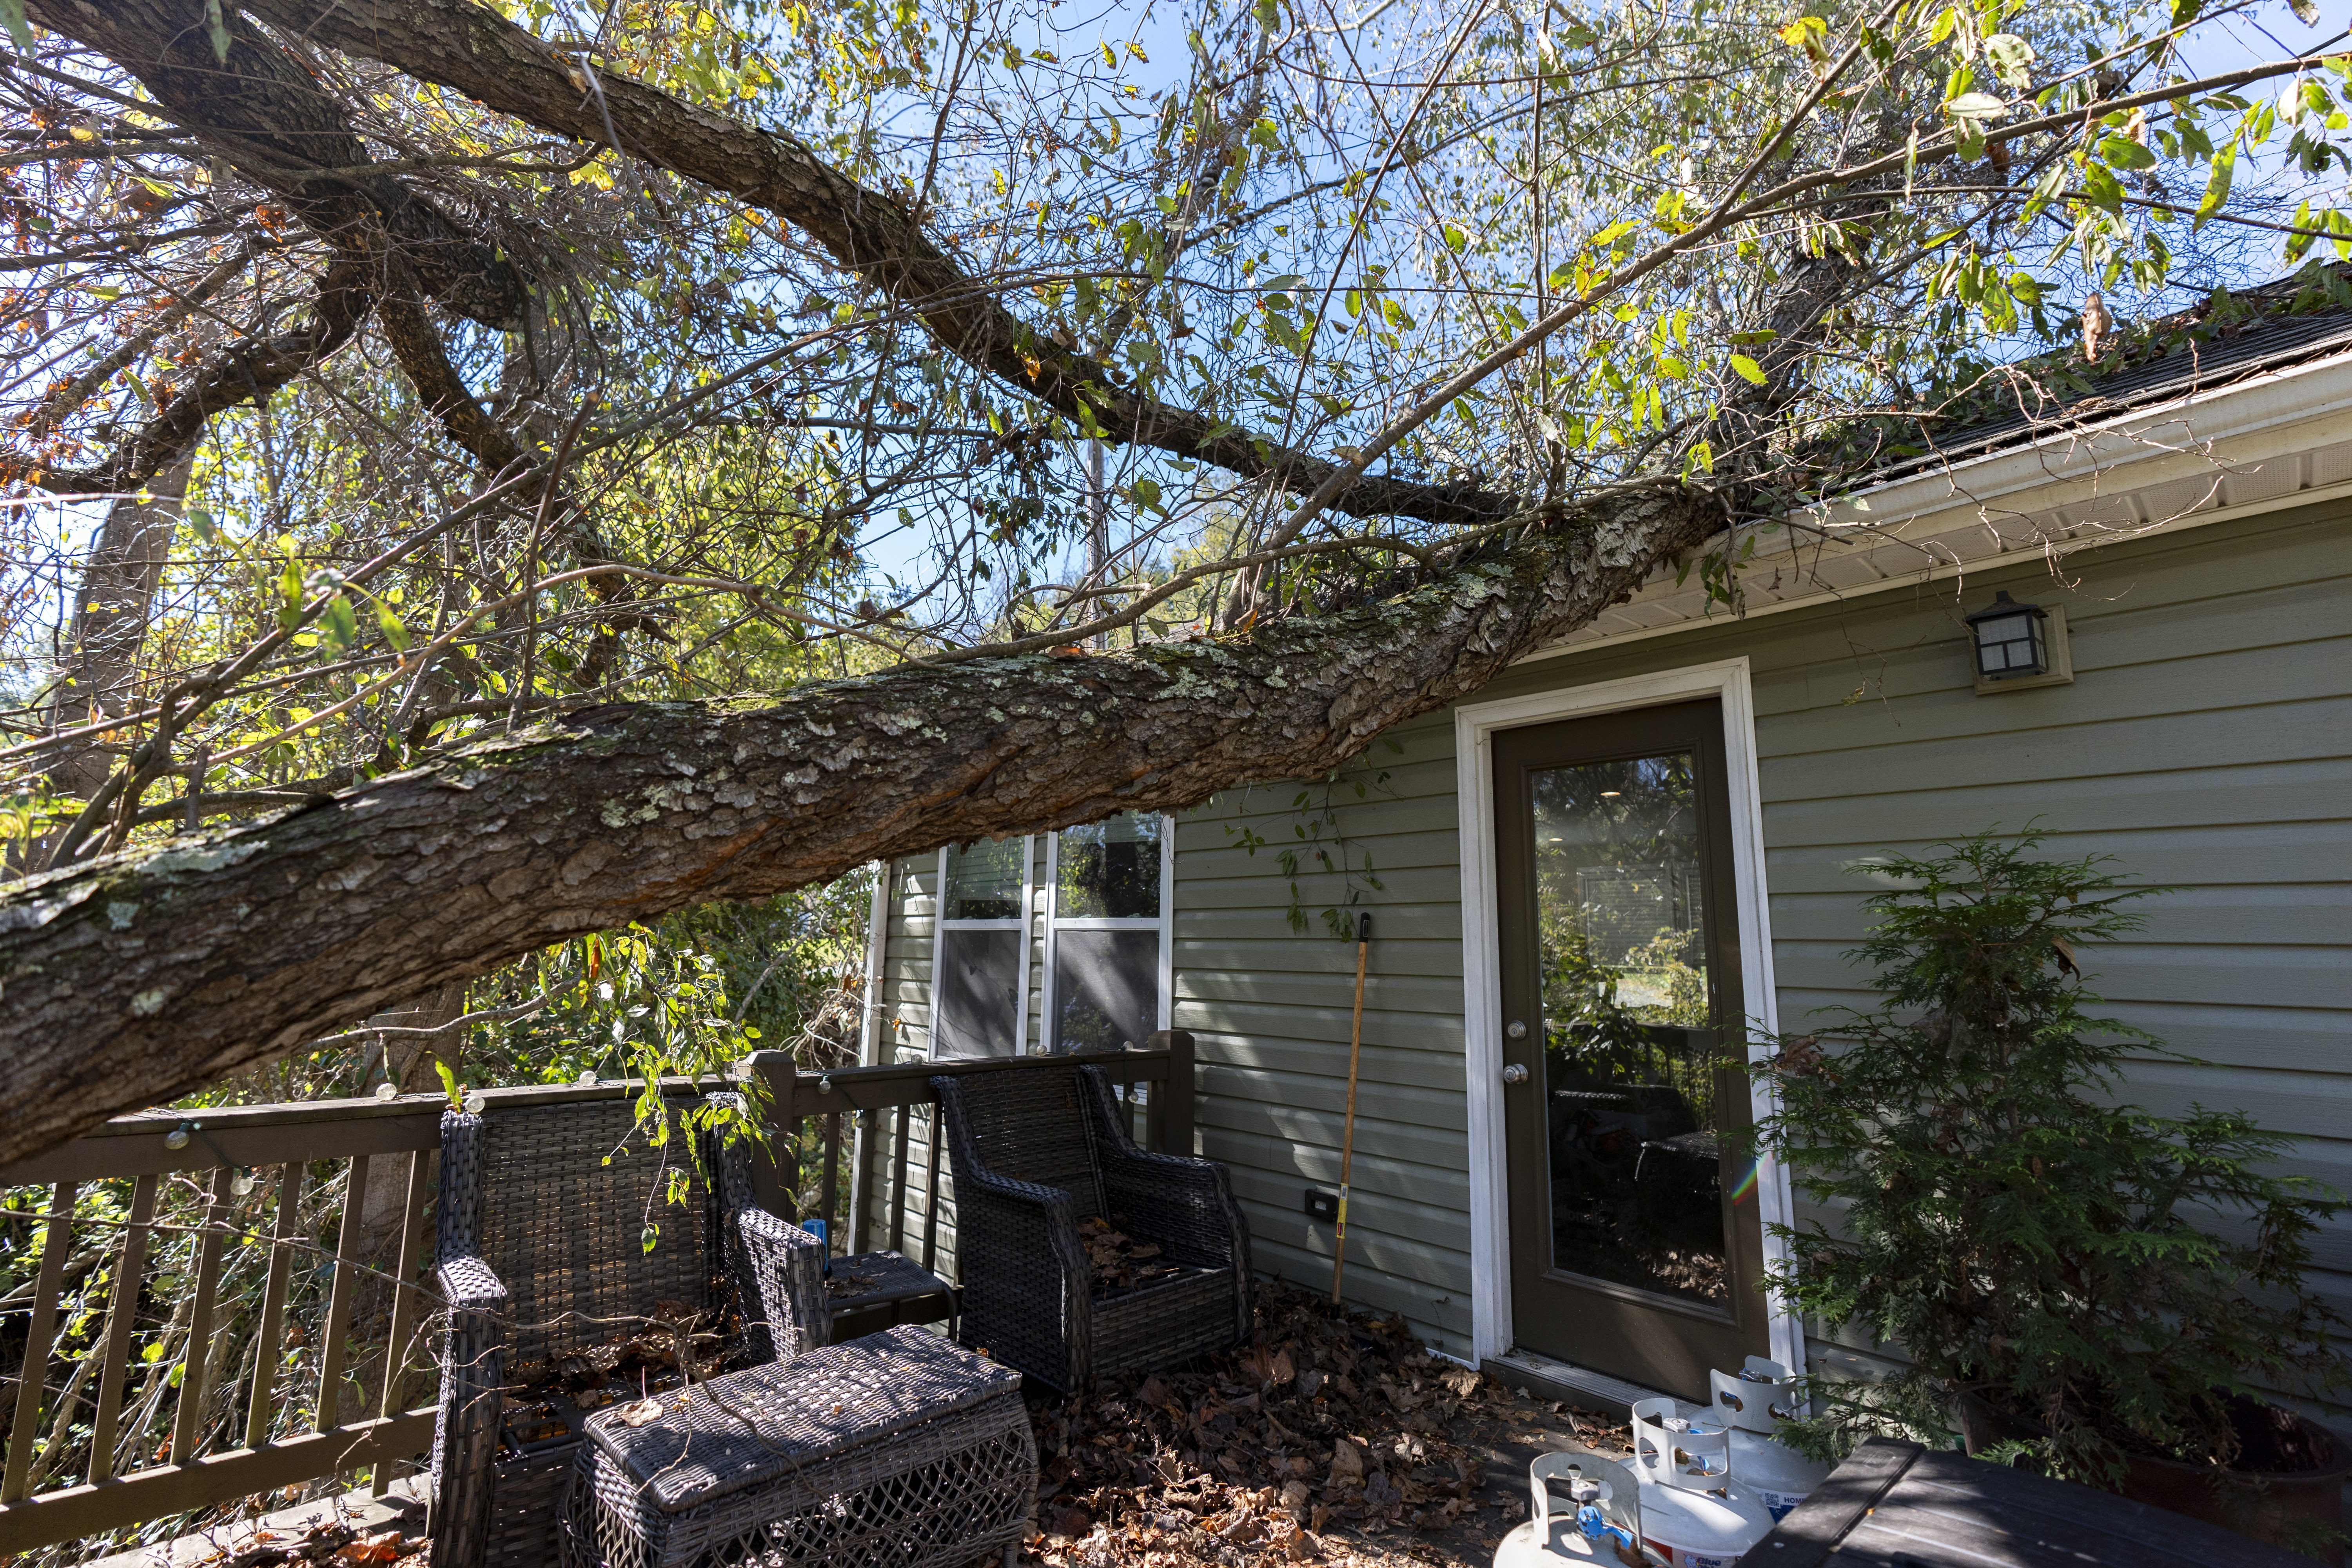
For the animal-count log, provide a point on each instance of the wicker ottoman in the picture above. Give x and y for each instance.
(900, 1450)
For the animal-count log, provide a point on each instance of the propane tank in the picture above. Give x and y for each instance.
(1693, 1513)
(1753, 1402)
(1599, 1525)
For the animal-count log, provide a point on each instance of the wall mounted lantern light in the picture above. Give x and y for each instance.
(2017, 645)
(2009, 639)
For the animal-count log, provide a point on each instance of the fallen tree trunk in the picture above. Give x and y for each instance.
(141, 976)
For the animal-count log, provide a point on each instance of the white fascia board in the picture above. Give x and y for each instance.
(2281, 439)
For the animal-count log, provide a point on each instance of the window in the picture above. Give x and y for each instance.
(979, 969)
(1108, 959)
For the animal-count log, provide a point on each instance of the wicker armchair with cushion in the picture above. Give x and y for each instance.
(542, 1246)
(1035, 1155)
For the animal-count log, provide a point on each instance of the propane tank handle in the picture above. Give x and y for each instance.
(1669, 1451)
(1757, 1398)
(1610, 1485)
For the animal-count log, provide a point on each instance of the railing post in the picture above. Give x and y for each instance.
(866, 1128)
(776, 1178)
(1176, 1120)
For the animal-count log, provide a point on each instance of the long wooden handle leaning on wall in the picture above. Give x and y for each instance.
(1348, 1136)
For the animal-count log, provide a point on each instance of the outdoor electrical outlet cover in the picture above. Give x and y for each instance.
(1324, 1207)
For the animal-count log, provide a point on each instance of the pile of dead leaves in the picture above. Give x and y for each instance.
(547, 1398)
(1329, 1424)
(334, 1544)
(1117, 1260)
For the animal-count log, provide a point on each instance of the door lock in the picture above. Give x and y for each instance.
(1515, 1075)
(1517, 1030)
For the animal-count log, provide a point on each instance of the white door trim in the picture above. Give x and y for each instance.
(1474, 728)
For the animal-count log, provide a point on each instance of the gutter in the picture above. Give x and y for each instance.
(2207, 458)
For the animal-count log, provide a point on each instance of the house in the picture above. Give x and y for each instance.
(1693, 795)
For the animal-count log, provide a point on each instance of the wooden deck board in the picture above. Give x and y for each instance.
(1899, 1505)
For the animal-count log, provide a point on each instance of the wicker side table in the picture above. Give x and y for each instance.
(900, 1450)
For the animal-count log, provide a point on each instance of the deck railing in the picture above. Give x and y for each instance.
(882, 1122)
(170, 1239)
(207, 1189)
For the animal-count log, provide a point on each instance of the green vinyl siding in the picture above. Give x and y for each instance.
(2206, 743)
(1270, 1010)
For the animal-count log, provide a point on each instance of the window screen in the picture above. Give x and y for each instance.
(1106, 987)
(983, 881)
(1109, 870)
(976, 993)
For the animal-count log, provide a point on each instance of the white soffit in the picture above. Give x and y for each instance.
(2283, 438)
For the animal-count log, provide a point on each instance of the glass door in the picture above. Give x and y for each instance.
(1635, 1246)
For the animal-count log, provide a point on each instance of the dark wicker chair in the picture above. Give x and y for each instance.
(540, 1236)
(1034, 1153)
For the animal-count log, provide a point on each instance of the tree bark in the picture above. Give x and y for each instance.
(110, 617)
(270, 117)
(134, 979)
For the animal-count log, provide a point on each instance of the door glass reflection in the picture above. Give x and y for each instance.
(1630, 1062)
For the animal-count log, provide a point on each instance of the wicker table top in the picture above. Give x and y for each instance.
(764, 1422)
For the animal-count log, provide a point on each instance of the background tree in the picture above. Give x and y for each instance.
(536, 370)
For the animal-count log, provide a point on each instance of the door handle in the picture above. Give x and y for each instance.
(1515, 1075)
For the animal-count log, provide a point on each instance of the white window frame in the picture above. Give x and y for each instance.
(1164, 923)
(942, 925)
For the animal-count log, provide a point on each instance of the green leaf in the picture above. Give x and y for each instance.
(450, 1084)
(1748, 370)
(12, 13)
(341, 624)
(2217, 185)
(1455, 240)
(2306, 12)
(1976, 106)
(289, 596)
(2123, 153)
(198, 518)
(394, 632)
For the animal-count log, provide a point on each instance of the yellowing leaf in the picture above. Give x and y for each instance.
(1748, 369)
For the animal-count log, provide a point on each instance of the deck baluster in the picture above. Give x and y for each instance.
(931, 1190)
(406, 1297)
(39, 1336)
(898, 1181)
(121, 1312)
(187, 1420)
(268, 1353)
(339, 1297)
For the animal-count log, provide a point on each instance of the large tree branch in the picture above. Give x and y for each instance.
(144, 975)
(466, 47)
(268, 116)
(249, 371)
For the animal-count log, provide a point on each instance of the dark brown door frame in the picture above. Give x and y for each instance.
(1641, 1336)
